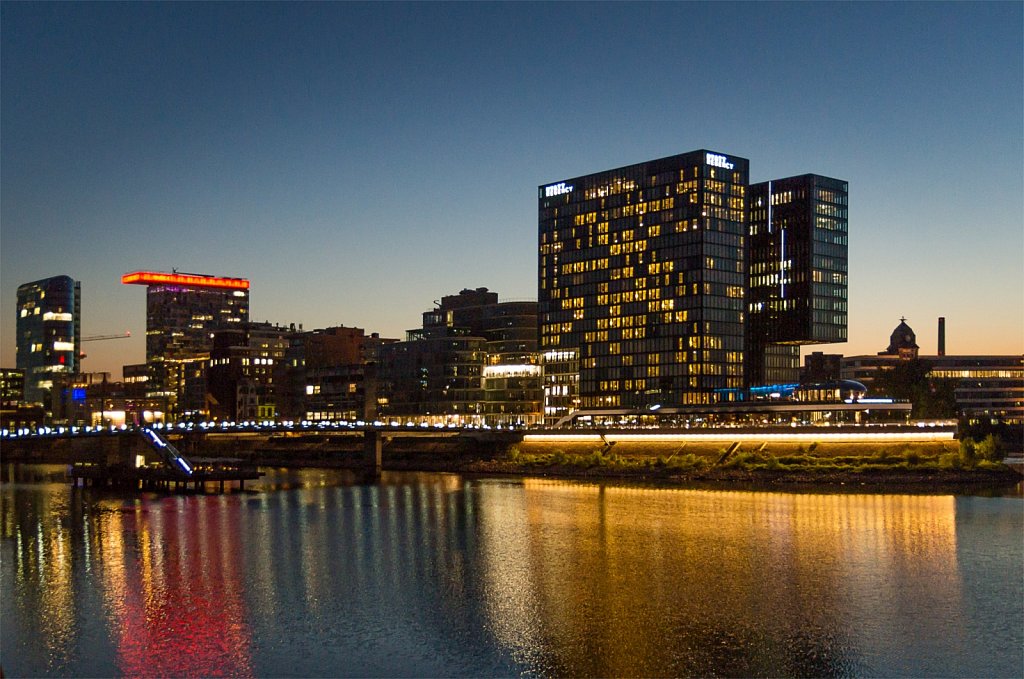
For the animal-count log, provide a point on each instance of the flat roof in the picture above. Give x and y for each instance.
(186, 279)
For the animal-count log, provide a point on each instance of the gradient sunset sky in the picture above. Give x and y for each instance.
(358, 161)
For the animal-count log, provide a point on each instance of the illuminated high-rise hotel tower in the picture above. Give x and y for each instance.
(182, 313)
(674, 282)
(642, 280)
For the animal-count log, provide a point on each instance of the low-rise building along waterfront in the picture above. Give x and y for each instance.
(986, 388)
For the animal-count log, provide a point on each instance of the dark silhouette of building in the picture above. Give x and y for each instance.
(902, 343)
(821, 367)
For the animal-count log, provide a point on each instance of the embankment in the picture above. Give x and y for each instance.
(922, 465)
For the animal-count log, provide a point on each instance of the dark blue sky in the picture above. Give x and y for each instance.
(358, 161)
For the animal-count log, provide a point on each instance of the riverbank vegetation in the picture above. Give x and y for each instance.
(831, 462)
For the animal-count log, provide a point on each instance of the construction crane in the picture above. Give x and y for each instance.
(97, 338)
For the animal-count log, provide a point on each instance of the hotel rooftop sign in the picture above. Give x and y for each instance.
(186, 279)
(718, 160)
(557, 189)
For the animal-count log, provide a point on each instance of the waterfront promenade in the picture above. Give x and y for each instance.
(877, 454)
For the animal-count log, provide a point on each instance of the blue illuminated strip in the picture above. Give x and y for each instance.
(171, 451)
(153, 437)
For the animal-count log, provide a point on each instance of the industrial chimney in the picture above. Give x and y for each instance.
(942, 335)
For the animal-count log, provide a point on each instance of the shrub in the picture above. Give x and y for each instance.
(968, 453)
(990, 449)
(950, 461)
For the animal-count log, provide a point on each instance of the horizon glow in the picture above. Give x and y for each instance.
(358, 161)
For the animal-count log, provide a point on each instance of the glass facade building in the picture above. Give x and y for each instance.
(797, 264)
(642, 283)
(49, 336)
(183, 311)
(512, 371)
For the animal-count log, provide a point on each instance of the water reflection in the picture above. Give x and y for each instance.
(431, 574)
(629, 580)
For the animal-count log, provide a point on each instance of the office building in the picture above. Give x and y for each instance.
(98, 401)
(12, 386)
(48, 337)
(15, 413)
(797, 265)
(332, 374)
(245, 375)
(512, 374)
(474, 361)
(642, 284)
(987, 389)
(183, 311)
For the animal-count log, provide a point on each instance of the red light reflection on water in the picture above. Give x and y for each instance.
(181, 611)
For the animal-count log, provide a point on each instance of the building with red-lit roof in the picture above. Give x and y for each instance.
(183, 311)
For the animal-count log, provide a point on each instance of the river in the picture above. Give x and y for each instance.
(308, 574)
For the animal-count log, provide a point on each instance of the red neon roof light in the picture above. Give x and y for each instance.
(189, 279)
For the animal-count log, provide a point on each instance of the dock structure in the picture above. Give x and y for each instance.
(171, 472)
(160, 479)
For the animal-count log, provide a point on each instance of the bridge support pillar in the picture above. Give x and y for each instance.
(372, 443)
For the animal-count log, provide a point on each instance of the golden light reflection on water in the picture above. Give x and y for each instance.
(613, 581)
(43, 563)
(434, 574)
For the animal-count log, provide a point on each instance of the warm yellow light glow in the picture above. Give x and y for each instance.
(820, 436)
(511, 370)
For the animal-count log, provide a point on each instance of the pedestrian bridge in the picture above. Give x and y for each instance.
(196, 453)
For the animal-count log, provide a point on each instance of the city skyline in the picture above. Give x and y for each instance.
(356, 162)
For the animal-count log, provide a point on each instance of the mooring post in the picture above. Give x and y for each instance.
(372, 442)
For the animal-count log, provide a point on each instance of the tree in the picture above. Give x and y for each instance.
(932, 398)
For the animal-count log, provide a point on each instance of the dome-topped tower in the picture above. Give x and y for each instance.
(902, 342)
